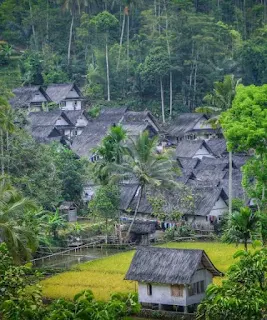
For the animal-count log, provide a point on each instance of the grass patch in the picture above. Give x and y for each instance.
(105, 276)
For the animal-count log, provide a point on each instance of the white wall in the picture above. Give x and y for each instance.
(39, 98)
(161, 294)
(219, 208)
(70, 105)
(202, 152)
(82, 121)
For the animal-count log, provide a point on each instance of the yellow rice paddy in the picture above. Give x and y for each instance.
(105, 276)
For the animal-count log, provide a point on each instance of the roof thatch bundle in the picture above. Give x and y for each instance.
(45, 133)
(217, 146)
(59, 91)
(43, 118)
(143, 227)
(25, 96)
(188, 148)
(168, 266)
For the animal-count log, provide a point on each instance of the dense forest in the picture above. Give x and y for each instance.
(143, 54)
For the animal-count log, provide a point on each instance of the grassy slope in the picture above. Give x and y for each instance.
(105, 276)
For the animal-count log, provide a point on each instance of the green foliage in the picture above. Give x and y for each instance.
(243, 295)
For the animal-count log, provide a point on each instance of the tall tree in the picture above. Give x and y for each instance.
(145, 166)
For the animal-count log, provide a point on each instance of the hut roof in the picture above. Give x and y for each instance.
(24, 96)
(217, 146)
(111, 115)
(140, 117)
(143, 227)
(188, 148)
(127, 192)
(74, 115)
(50, 118)
(134, 129)
(170, 266)
(206, 197)
(240, 160)
(184, 123)
(218, 164)
(59, 91)
(45, 133)
(188, 164)
(210, 174)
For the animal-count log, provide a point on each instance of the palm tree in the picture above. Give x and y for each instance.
(20, 237)
(243, 225)
(149, 169)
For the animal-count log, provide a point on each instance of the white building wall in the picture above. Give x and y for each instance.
(73, 94)
(219, 208)
(82, 122)
(199, 275)
(161, 294)
(202, 152)
(72, 105)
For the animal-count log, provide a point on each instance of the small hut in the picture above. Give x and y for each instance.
(142, 231)
(68, 209)
(171, 279)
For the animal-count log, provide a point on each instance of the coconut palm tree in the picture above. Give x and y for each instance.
(243, 225)
(142, 163)
(19, 236)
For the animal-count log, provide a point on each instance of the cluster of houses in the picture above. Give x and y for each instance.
(168, 279)
(57, 113)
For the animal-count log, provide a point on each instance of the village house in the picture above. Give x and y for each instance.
(191, 126)
(66, 95)
(193, 149)
(171, 279)
(30, 98)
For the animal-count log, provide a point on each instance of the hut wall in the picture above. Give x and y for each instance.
(73, 105)
(202, 152)
(161, 294)
(73, 94)
(219, 208)
(72, 215)
(200, 275)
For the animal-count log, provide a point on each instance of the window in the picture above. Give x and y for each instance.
(149, 289)
(177, 290)
(196, 288)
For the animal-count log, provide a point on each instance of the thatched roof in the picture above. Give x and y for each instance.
(217, 146)
(168, 266)
(139, 117)
(111, 115)
(43, 118)
(209, 174)
(127, 192)
(134, 130)
(187, 163)
(218, 164)
(24, 96)
(188, 148)
(206, 197)
(184, 123)
(143, 227)
(45, 133)
(240, 160)
(74, 115)
(59, 91)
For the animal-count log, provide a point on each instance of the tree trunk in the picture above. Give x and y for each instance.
(2, 153)
(162, 101)
(70, 38)
(230, 187)
(107, 65)
(121, 39)
(7, 151)
(106, 240)
(135, 211)
(128, 42)
(246, 244)
(47, 21)
(33, 28)
(171, 94)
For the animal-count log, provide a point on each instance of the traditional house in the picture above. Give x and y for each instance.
(46, 134)
(66, 95)
(193, 149)
(84, 144)
(191, 126)
(79, 119)
(171, 279)
(217, 147)
(142, 231)
(31, 98)
(56, 118)
(68, 210)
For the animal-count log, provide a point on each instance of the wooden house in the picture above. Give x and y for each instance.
(193, 149)
(79, 119)
(30, 98)
(66, 95)
(55, 118)
(142, 231)
(68, 210)
(171, 279)
(191, 126)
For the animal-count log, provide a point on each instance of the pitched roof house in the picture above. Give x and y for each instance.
(31, 98)
(67, 95)
(193, 149)
(172, 279)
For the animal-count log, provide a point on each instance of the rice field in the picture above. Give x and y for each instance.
(105, 276)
